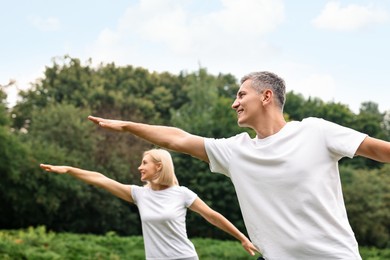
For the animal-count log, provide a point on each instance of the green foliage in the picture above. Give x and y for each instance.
(4, 120)
(49, 125)
(14, 161)
(128, 92)
(65, 126)
(372, 253)
(369, 120)
(207, 112)
(201, 94)
(211, 120)
(367, 197)
(211, 249)
(298, 108)
(38, 243)
(60, 134)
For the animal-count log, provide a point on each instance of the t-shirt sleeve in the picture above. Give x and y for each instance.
(341, 140)
(219, 154)
(189, 196)
(135, 191)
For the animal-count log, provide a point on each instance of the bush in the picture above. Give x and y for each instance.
(38, 243)
(367, 198)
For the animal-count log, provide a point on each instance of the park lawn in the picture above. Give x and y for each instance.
(38, 243)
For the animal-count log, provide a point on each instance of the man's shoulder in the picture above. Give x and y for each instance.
(311, 120)
(240, 136)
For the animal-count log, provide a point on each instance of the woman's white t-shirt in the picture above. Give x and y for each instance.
(163, 217)
(289, 190)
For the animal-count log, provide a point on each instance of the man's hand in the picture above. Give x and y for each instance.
(116, 125)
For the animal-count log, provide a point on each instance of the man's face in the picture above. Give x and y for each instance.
(247, 105)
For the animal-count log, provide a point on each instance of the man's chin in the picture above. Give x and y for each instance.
(241, 124)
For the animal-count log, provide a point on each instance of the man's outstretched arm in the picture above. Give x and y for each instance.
(375, 149)
(171, 138)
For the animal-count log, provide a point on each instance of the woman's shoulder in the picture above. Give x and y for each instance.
(134, 186)
(181, 188)
(185, 190)
(137, 188)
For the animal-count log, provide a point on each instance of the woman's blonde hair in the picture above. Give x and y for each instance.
(166, 175)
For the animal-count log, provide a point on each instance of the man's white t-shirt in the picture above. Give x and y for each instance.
(163, 217)
(289, 190)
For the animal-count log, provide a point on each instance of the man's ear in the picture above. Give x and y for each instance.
(267, 96)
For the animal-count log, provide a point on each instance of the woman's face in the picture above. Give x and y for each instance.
(148, 168)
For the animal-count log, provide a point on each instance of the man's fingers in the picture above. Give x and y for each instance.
(91, 118)
(94, 119)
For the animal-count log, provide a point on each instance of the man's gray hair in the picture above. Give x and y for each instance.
(267, 80)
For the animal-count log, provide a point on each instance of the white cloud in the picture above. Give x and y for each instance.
(106, 47)
(256, 17)
(171, 33)
(318, 85)
(349, 18)
(23, 82)
(307, 80)
(45, 24)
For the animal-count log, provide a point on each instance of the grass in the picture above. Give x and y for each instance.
(38, 243)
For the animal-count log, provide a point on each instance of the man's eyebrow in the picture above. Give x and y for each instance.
(240, 92)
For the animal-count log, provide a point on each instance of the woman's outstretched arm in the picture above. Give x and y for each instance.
(118, 189)
(218, 220)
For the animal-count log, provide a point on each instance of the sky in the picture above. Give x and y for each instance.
(334, 50)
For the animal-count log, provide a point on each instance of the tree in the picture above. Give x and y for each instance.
(50, 126)
(367, 198)
(4, 115)
(386, 124)
(207, 114)
(14, 161)
(60, 134)
(369, 121)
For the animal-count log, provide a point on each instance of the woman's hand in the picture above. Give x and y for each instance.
(249, 247)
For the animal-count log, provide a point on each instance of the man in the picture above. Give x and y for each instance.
(286, 178)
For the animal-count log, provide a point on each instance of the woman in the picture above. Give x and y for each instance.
(162, 205)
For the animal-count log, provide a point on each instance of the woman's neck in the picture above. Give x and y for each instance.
(155, 186)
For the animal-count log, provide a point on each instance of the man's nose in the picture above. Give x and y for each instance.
(235, 104)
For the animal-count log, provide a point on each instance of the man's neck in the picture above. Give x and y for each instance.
(270, 127)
